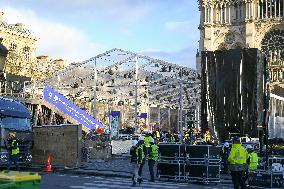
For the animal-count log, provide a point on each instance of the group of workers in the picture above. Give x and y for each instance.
(236, 158)
(240, 161)
(188, 136)
(145, 148)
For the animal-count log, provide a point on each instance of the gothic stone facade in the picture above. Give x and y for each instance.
(21, 47)
(231, 24)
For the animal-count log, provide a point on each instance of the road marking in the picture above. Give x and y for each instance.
(152, 184)
(175, 184)
(111, 185)
(87, 177)
(121, 183)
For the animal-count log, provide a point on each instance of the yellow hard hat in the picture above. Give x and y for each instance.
(12, 134)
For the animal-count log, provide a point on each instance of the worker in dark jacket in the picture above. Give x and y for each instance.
(153, 156)
(141, 153)
(13, 149)
(224, 156)
(134, 161)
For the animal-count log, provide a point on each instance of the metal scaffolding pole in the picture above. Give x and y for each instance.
(95, 92)
(136, 94)
(180, 104)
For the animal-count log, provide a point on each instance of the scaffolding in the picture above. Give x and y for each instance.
(129, 82)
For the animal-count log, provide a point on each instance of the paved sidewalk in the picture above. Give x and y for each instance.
(113, 167)
(120, 167)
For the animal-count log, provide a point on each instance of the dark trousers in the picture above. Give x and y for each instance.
(151, 164)
(141, 168)
(238, 179)
(245, 177)
(13, 159)
(225, 165)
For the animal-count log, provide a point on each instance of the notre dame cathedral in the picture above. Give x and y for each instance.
(231, 24)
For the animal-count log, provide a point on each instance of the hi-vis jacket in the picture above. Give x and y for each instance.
(238, 158)
(253, 161)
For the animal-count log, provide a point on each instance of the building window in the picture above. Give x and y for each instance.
(236, 11)
(223, 15)
(240, 15)
(13, 46)
(26, 54)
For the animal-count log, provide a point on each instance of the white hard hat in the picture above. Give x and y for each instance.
(134, 142)
(226, 144)
(249, 147)
(152, 140)
(141, 137)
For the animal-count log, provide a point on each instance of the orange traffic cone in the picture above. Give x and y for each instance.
(48, 164)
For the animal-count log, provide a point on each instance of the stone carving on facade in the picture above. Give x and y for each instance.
(232, 39)
(273, 43)
(263, 28)
(215, 3)
(229, 38)
(216, 33)
(242, 30)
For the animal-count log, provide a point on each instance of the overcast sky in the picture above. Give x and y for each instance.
(76, 30)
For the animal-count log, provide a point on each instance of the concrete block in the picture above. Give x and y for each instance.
(61, 141)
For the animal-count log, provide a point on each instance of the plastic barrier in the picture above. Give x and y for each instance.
(19, 180)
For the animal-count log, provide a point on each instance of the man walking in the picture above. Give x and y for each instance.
(141, 153)
(224, 155)
(134, 161)
(252, 161)
(238, 163)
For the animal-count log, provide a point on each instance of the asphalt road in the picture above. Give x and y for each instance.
(62, 181)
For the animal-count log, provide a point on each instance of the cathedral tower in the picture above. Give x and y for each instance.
(231, 24)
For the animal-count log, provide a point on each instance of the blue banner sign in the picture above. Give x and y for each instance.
(115, 113)
(114, 122)
(67, 107)
(143, 115)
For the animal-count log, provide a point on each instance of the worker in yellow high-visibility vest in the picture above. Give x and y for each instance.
(238, 163)
(207, 137)
(252, 161)
(157, 134)
(252, 158)
(152, 158)
(13, 149)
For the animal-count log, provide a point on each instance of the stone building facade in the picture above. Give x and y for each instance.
(21, 45)
(21, 59)
(232, 24)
